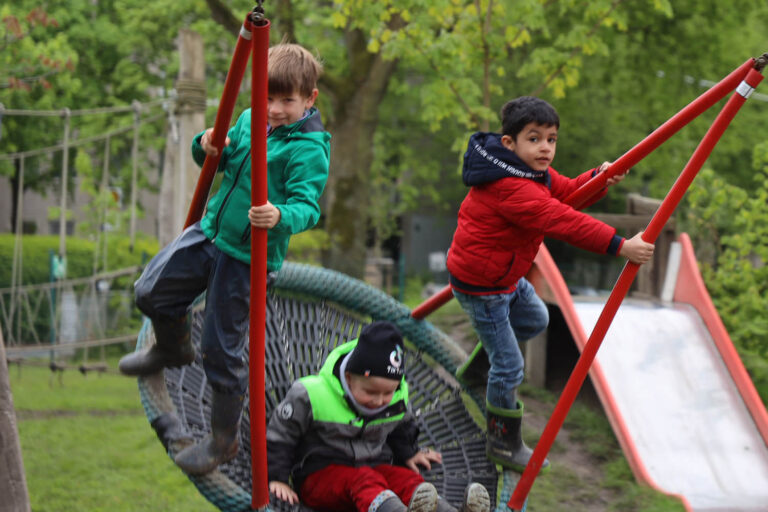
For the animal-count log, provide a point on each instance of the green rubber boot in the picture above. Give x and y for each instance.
(172, 348)
(504, 443)
(221, 444)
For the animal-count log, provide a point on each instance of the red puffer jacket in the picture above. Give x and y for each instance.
(506, 215)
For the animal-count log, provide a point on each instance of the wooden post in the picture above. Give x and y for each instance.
(187, 120)
(13, 484)
(650, 277)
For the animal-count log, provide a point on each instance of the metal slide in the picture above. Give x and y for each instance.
(682, 406)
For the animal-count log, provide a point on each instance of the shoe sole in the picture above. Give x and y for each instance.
(424, 499)
(476, 499)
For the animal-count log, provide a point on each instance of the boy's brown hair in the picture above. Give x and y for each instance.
(292, 69)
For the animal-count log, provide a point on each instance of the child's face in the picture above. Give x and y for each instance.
(283, 109)
(371, 392)
(535, 145)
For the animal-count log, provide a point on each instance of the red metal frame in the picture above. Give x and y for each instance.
(253, 41)
(668, 205)
(221, 125)
(258, 411)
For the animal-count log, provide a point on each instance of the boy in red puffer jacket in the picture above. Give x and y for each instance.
(515, 200)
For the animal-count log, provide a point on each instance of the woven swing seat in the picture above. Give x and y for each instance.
(310, 311)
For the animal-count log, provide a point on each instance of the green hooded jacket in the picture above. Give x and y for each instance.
(298, 156)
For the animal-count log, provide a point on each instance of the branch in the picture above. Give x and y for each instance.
(222, 15)
(433, 65)
(573, 53)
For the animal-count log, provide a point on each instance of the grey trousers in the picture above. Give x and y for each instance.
(176, 276)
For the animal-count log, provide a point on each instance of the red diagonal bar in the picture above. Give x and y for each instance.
(257, 329)
(626, 161)
(221, 125)
(661, 134)
(621, 288)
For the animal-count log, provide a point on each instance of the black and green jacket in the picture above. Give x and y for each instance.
(316, 426)
(298, 156)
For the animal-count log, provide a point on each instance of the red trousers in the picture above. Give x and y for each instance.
(345, 488)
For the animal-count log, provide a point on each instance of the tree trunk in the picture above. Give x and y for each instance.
(13, 484)
(180, 172)
(351, 158)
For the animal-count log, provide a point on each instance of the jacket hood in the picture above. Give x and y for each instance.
(487, 160)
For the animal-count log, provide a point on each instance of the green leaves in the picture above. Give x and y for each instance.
(729, 227)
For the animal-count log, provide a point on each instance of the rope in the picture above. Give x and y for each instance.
(81, 112)
(20, 351)
(80, 280)
(76, 143)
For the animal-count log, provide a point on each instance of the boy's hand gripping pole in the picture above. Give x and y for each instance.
(258, 314)
(624, 281)
(626, 161)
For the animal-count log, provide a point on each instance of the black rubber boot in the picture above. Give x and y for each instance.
(504, 444)
(221, 444)
(172, 347)
(474, 371)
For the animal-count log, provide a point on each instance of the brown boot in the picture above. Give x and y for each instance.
(172, 348)
(221, 444)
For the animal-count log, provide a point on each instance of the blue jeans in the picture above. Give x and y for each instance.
(501, 321)
(173, 279)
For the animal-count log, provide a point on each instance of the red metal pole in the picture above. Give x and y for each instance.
(661, 134)
(432, 303)
(221, 125)
(621, 288)
(626, 161)
(258, 314)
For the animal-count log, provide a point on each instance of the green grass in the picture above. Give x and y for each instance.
(87, 446)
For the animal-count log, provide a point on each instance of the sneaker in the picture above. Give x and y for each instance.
(476, 499)
(424, 498)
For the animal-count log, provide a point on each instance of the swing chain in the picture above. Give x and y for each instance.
(761, 62)
(257, 14)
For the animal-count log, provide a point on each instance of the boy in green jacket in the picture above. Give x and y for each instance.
(214, 255)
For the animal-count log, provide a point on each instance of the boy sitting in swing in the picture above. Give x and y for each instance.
(348, 440)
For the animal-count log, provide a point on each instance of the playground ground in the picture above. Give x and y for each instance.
(87, 446)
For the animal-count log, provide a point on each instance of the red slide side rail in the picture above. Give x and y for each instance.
(690, 289)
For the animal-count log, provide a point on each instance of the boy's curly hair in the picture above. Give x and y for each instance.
(292, 69)
(517, 113)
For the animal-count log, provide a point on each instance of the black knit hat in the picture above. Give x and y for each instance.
(379, 352)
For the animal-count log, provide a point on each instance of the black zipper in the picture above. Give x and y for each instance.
(229, 193)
